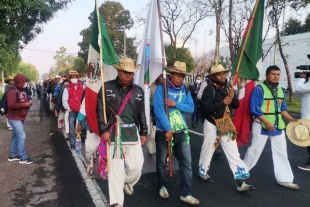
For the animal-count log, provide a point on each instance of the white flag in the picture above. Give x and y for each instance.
(150, 56)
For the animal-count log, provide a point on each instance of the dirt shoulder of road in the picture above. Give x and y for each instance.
(34, 184)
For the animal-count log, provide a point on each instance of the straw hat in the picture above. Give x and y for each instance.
(7, 79)
(73, 73)
(298, 132)
(126, 64)
(217, 69)
(178, 67)
(57, 76)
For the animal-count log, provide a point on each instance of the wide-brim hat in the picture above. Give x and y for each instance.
(217, 69)
(298, 132)
(7, 79)
(178, 67)
(73, 73)
(126, 64)
(57, 76)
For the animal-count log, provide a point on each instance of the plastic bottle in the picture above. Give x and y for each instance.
(78, 144)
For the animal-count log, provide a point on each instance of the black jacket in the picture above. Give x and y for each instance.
(113, 99)
(58, 98)
(212, 102)
(192, 88)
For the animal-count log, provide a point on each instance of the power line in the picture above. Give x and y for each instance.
(49, 51)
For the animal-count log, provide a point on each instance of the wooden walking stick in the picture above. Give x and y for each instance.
(165, 82)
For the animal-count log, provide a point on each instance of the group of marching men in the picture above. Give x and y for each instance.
(125, 128)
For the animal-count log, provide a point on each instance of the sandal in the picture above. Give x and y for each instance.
(244, 187)
(10, 128)
(163, 193)
(205, 177)
(128, 189)
(190, 200)
(290, 185)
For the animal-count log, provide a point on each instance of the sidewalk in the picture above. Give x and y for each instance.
(34, 184)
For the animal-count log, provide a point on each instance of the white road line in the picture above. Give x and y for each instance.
(93, 188)
(194, 132)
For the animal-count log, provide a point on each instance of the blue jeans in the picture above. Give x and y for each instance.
(195, 114)
(72, 127)
(182, 152)
(18, 139)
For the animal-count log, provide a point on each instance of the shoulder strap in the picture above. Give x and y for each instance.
(125, 101)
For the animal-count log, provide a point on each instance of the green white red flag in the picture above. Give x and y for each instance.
(247, 67)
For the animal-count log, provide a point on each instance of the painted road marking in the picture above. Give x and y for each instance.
(93, 188)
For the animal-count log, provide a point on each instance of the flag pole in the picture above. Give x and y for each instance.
(248, 30)
(165, 82)
(102, 83)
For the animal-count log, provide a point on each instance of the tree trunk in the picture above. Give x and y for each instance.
(230, 37)
(289, 83)
(218, 14)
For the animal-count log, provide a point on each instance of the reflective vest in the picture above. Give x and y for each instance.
(272, 114)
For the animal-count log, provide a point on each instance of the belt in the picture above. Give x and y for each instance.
(256, 121)
(128, 125)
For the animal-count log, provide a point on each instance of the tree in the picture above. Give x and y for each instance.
(117, 20)
(20, 22)
(298, 4)
(182, 54)
(28, 70)
(180, 19)
(306, 26)
(275, 9)
(63, 61)
(79, 65)
(293, 26)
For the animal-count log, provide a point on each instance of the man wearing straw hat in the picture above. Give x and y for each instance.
(9, 83)
(268, 106)
(125, 130)
(217, 101)
(179, 102)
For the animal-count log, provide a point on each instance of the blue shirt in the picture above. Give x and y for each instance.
(57, 90)
(185, 106)
(257, 99)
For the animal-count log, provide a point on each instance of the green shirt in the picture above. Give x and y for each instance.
(129, 133)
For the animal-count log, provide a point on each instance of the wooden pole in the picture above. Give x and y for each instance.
(249, 27)
(102, 84)
(165, 82)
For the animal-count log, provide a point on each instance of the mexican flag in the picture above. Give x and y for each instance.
(99, 38)
(150, 56)
(247, 66)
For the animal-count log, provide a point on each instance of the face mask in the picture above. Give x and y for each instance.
(74, 80)
(198, 81)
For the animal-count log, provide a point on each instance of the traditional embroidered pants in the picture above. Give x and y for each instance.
(230, 149)
(119, 175)
(282, 168)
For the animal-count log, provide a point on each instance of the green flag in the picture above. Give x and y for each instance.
(108, 54)
(250, 51)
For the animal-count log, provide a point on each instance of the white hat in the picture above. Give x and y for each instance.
(298, 132)
(57, 76)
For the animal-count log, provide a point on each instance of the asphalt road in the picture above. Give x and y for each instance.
(222, 192)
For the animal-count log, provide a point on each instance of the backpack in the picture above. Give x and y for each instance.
(3, 102)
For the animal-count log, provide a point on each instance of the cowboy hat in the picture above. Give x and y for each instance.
(73, 73)
(217, 69)
(7, 79)
(57, 76)
(178, 67)
(298, 132)
(126, 64)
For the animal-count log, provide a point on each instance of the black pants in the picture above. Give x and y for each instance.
(308, 148)
(39, 94)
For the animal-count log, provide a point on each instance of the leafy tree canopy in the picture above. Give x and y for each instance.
(182, 54)
(116, 19)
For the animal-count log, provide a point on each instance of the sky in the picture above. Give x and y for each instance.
(64, 30)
